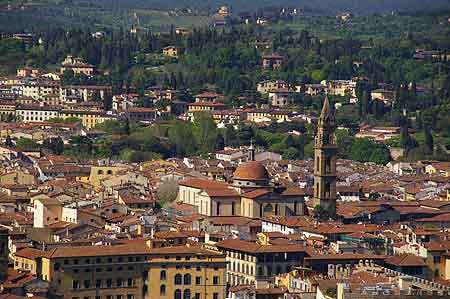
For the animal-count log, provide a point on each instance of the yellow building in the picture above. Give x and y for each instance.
(98, 173)
(77, 65)
(17, 177)
(183, 272)
(260, 115)
(442, 168)
(205, 106)
(135, 271)
(28, 260)
(89, 119)
(7, 109)
(170, 51)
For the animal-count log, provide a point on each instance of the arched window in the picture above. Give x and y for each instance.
(177, 294)
(163, 275)
(162, 290)
(187, 294)
(187, 279)
(178, 279)
(100, 172)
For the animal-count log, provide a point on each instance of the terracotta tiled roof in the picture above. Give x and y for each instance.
(203, 184)
(30, 253)
(256, 193)
(251, 247)
(408, 260)
(251, 171)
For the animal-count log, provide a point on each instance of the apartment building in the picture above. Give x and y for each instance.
(251, 261)
(134, 271)
(89, 119)
(35, 113)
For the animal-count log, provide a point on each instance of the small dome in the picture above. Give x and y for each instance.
(251, 171)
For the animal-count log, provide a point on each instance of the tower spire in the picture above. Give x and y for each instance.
(251, 151)
(325, 150)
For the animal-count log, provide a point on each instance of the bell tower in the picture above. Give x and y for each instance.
(325, 150)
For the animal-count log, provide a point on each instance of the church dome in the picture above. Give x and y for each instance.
(251, 171)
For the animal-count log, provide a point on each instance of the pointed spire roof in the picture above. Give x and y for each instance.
(326, 115)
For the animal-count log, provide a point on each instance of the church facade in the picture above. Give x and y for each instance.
(249, 194)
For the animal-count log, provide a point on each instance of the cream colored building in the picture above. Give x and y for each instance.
(251, 194)
(33, 113)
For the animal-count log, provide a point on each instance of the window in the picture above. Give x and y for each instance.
(87, 284)
(187, 294)
(162, 290)
(215, 295)
(130, 282)
(177, 294)
(119, 296)
(109, 282)
(198, 280)
(98, 260)
(437, 259)
(98, 283)
(56, 266)
(187, 279)
(75, 284)
(216, 280)
(198, 269)
(163, 275)
(178, 279)
(130, 296)
(98, 270)
(119, 282)
(197, 296)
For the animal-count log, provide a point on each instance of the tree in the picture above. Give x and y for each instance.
(244, 134)
(182, 139)
(56, 145)
(167, 192)
(429, 143)
(205, 132)
(365, 150)
(26, 144)
(230, 137)
(220, 142)
(292, 154)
